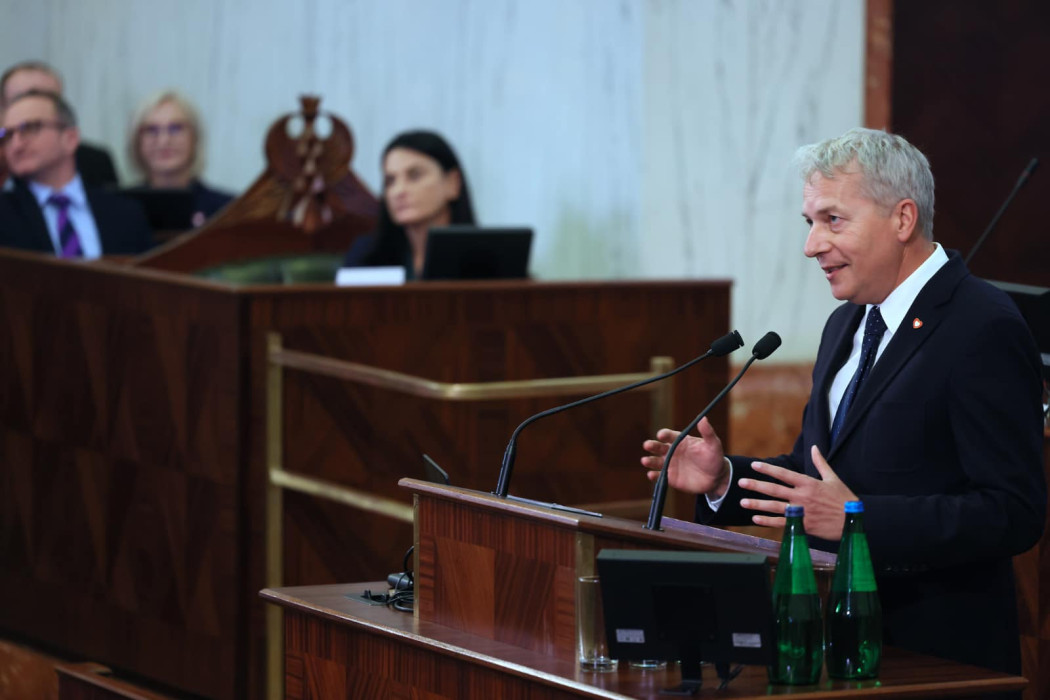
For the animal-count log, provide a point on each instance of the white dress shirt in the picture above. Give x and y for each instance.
(79, 215)
(893, 308)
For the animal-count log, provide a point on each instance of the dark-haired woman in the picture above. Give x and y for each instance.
(423, 187)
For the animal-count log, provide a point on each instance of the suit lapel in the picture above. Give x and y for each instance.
(905, 341)
(841, 339)
(32, 217)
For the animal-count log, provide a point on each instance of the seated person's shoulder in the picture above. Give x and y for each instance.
(7, 218)
(122, 223)
(361, 247)
(209, 200)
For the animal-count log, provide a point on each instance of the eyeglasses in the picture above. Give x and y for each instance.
(28, 129)
(172, 130)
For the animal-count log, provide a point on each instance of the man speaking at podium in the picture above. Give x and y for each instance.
(926, 405)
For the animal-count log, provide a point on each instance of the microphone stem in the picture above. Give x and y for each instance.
(503, 485)
(1002, 210)
(656, 510)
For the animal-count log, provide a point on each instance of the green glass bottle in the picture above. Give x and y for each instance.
(854, 616)
(799, 651)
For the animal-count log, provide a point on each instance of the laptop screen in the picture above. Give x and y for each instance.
(472, 252)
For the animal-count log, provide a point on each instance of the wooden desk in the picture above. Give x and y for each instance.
(132, 438)
(339, 647)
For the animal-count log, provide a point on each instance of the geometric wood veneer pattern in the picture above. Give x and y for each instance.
(132, 439)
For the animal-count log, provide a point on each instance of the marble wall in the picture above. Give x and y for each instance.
(641, 138)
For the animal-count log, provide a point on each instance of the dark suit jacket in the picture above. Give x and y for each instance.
(943, 444)
(208, 201)
(95, 166)
(122, 225)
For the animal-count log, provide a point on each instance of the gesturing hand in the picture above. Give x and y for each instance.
(698, 465)
(823, 498)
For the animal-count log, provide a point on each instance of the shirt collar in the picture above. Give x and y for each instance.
(74, 189)
(896, 305)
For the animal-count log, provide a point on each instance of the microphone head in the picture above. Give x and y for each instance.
(727, 344)
(766, 345)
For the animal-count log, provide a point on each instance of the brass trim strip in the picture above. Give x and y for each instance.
(663, 395)
(278, 359)
(274, 522)
(458, 391)
(354, 498)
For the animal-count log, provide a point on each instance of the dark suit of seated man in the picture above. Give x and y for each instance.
(925, 406)
(52, 210)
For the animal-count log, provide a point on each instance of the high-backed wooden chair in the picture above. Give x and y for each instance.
(294, 222)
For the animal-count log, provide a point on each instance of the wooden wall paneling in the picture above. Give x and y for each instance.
(369, 439)
(967, 90)
(132, 438)
(326, 661)
(878, 64)
(119, 436)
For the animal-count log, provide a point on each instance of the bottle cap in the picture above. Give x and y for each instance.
(793, 511)
(854, 507)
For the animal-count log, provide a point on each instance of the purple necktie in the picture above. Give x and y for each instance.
(873, 330)
(68, 240)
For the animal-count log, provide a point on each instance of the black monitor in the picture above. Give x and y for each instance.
(166, 209)
(472, 252)
(691, 606)
(1034, 305)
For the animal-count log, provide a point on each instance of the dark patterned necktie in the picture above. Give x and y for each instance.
(873, 330)
(68, 240)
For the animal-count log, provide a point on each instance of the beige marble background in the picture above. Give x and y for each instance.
(641, 138)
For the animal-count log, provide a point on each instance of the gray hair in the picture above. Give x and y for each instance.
(892, 169)
(63, 110)
(138, 119)
(29, 66)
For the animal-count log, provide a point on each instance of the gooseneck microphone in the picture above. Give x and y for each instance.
(1025, 174)
(721, 347)
(763, 349)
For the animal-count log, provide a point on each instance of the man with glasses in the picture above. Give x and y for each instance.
(50, 208)
(94, 164)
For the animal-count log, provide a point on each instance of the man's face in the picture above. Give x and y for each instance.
(853, 238)
(37, 145)
(21, 82)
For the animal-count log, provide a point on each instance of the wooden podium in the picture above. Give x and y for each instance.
(495, 615)
(133, 438)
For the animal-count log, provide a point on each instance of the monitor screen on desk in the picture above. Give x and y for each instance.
(1034, 305)
(166, 210)
(472, 252)
(691, 606)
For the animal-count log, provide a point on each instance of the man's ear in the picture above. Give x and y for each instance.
(70, 139)
(905, 219)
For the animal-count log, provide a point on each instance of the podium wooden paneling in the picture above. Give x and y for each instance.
(507, 571)
(495, 615)
(132, 438)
